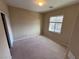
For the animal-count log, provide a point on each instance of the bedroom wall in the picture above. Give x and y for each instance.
(70, 15)
(74, 44)
(3, 6)
(4, 49)
(24, 23)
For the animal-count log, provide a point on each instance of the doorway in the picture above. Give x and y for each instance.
(6, 29)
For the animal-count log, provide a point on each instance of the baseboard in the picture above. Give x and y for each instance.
(26, 37)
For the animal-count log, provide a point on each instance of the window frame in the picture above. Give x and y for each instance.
(55, 24)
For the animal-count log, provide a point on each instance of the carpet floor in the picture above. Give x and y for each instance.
(37, 47)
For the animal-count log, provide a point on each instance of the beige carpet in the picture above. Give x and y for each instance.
(37, 47)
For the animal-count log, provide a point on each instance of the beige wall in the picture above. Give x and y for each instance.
(3, 7)
(74, 45)
(24, 23)
(70, 15)
(4, 50)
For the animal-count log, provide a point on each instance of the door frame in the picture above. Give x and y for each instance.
(5, 27)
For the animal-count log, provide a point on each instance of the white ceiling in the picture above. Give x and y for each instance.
(30, 4)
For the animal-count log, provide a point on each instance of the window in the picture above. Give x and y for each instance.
(55, 24)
